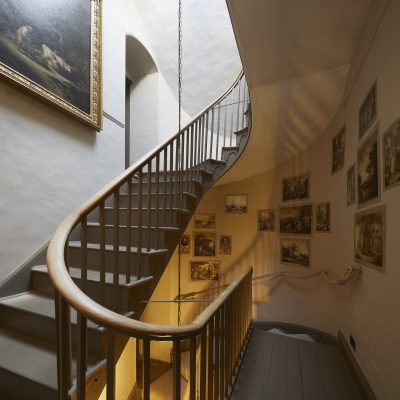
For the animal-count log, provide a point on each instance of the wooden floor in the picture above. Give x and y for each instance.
(281, 368)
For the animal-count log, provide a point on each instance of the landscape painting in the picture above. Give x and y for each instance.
(351, 185)
(266, 220)
(204, 244)
(53, 50)
(204, 221)
(296, 252)
(368, 112)
(296, 219)
(323, 217)
(338, 148)
(184, 244)
(368, 170)
(204, 270)
(369, 237)
(296, 187)
(236, 203)
(225, 244)
(391, 155)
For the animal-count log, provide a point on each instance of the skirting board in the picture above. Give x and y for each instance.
(358, 375)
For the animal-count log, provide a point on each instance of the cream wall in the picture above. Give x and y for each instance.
(368, 307)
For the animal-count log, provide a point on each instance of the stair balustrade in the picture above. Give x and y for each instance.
(109, 254)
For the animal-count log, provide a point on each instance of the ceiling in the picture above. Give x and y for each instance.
(296, 56)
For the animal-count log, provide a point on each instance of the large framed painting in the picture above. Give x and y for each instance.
(368, 188)
(52, 49)
(296, 252)
(296, 187)
(370, 236)
(296, 219)
(391, 156)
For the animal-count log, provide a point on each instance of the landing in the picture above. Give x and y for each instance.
(277, 367)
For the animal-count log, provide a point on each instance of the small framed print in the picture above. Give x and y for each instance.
(204, 244)
(296, 219)
(184, 244)
(225, 244)
(370, 237)
(368, 112)
(338, 149)
(205, 270)
(296, 252)
(266, 220)
(323, 217)
(296, 187)
(236, 204)
(204, 221)
(391, 156)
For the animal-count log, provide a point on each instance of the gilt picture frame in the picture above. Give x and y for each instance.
(52, 50)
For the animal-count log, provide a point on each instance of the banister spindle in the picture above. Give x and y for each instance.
(128, 271)
(81, 356)
(149, 187)
(225, 116)
(193, 368)
(217, 353)
(212, 133)
(110, 393)
(176, 369)
(192, 154)
(177, 183)
(84, 254)
(187, 160)
(116, 249)
(232, 108)
(157, 205)
(210, 386)
(139, 224)
(203, 364)
(102, 227)
(146, 369)
(218, 126)
(171, 181)
(181, 170)
(238, 106)
(165, 185)
(206, 141)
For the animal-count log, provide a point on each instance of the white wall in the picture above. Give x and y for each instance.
(368, 307)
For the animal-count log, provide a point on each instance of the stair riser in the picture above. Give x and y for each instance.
(192, 187)
(164, 237)
(128, 297)
(186, 202)
(44, 328)
(148, 262)
(164, 218)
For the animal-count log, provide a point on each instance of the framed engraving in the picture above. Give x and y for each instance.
(266, 220)
(225, 244)
(370, 237)
(368, 112)
(52, 49)
(296, 252)
(368, 188)
(184, 244)
(236, 204)
(205, 270)
(391, 156)
(323, 217)
(351, 185)
(296, 187)
(204, 244)
(338, 149)
(296, 219)
(204, 221)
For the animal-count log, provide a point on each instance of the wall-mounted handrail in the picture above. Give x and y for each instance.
(124, 233)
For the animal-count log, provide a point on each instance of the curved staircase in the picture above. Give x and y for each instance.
(117, 246)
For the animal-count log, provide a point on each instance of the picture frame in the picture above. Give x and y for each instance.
(184, 244)
(338, 150)
(391, 156)
(296, 219)
(225, 244)
(295, 252)
(296, 187)
(323, 217)
(205, 244)
(204, 221)
(266, 220)
(370, 237)
(205, 270)
(368, 170)
(236, 204)
(351, 185)
(368, 112)
(54, 53)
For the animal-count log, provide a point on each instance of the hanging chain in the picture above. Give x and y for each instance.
(179, 147)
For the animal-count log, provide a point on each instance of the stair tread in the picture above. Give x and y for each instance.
(230, 148)
(110, 247)
(94, 276)
(241, 131)
(161, 194)
(181, 210)
(19, 353)
(165, 228)
(39, 304)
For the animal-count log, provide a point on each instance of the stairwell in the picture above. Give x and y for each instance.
(137, 229)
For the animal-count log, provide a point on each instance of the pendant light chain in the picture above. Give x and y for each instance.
(179, 147)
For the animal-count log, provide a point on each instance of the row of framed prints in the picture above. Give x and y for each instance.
(296, 219)
(369, 242)
(205, 244)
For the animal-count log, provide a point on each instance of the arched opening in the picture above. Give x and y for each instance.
(142, 99)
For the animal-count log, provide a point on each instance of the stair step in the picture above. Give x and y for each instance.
(228, 150)
(129, 294)
(33, 314)
(28, 367)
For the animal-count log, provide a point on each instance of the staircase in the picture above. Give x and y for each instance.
(117, 248)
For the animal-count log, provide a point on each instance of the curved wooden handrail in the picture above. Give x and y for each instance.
(91, 309)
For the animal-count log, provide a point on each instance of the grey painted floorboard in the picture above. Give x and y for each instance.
(282, 368)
